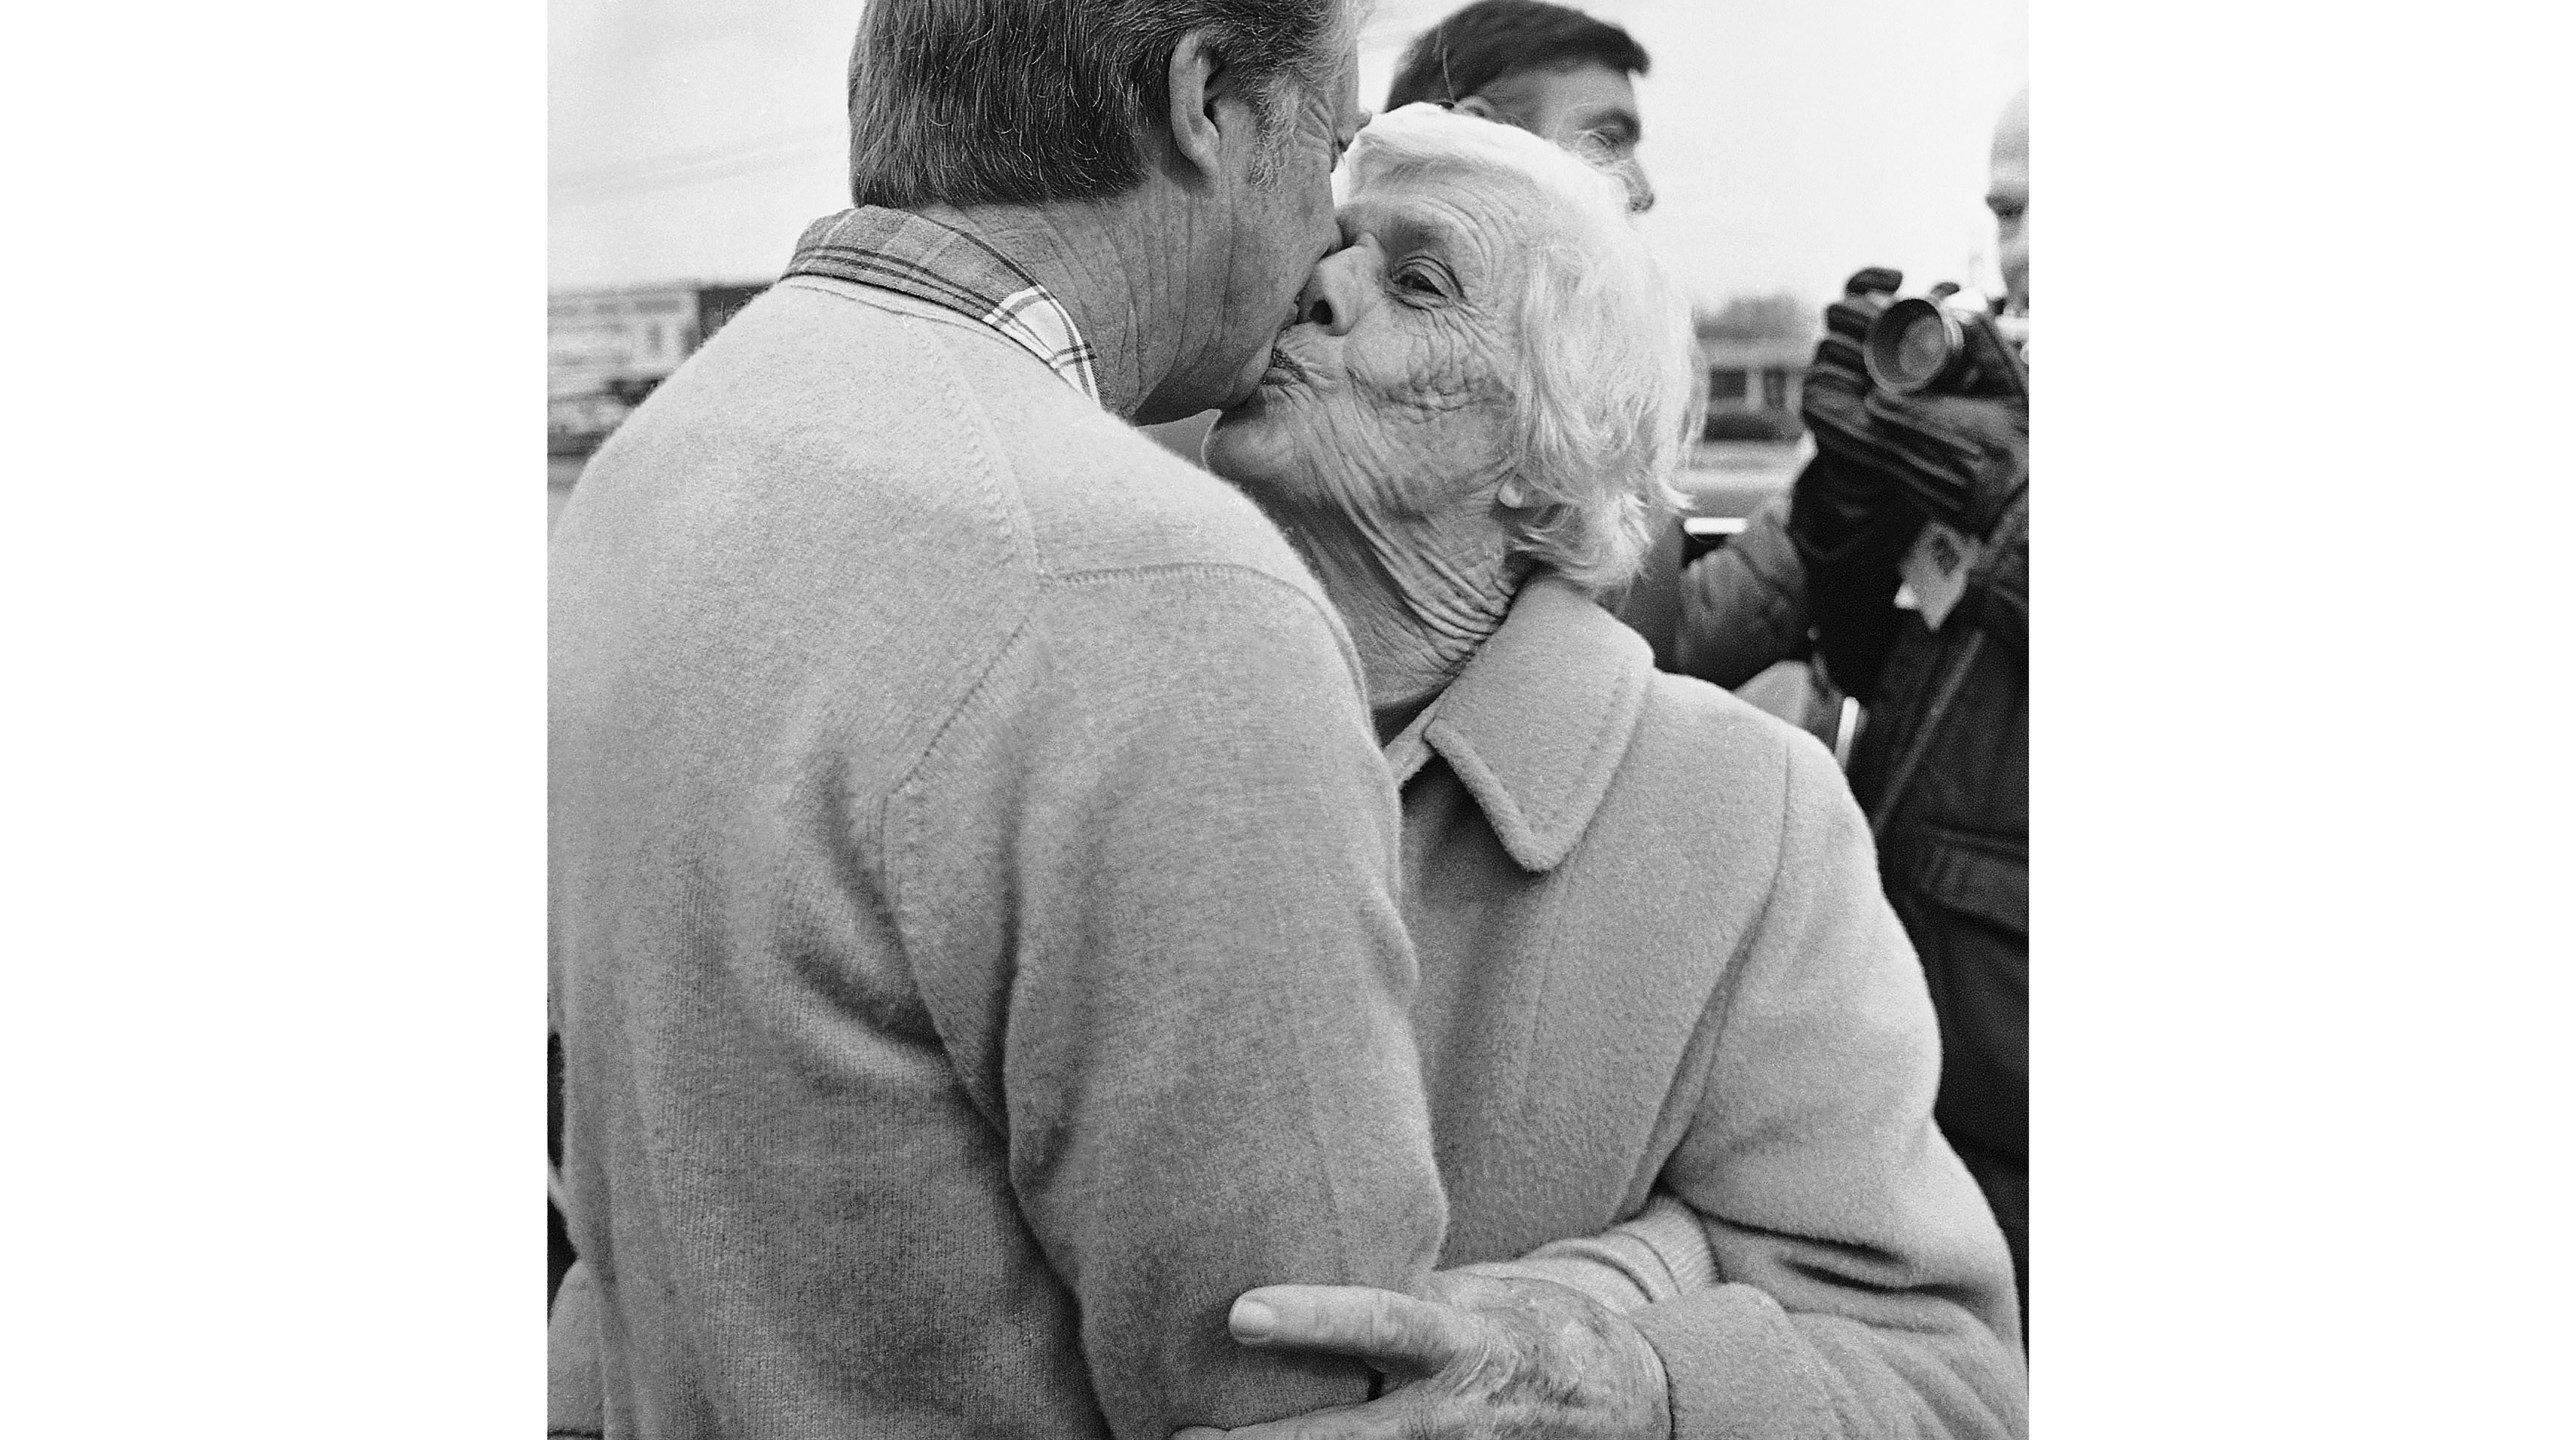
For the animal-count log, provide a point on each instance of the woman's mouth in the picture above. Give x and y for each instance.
(1283, 368)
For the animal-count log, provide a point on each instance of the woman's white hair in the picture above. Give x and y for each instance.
(1604, 344)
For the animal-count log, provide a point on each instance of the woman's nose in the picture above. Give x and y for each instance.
(1326, 297)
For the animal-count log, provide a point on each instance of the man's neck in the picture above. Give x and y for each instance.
(1105, 264)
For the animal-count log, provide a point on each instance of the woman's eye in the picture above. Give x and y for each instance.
(1422, 278)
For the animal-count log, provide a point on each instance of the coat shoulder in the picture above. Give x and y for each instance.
(1714, 781)
(1706, 736)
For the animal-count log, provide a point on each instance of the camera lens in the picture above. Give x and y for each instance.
(1921, 352)
(1911, 344)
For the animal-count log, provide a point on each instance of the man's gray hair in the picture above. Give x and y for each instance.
(963, 102)
(1604, 387)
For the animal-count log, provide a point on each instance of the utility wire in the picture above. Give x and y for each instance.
(675, 171)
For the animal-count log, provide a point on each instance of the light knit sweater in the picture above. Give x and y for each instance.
(974, 930)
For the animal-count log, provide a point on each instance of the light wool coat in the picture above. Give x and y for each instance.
(974, 939)
(1654, 954)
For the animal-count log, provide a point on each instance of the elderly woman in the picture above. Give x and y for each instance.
(1660, 989)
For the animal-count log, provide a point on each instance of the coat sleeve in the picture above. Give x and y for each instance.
(1852, 557)
(1997, 590)
(1742, 604)
(1657, 1254)
(1650, 605)
(1209, 1078)
(1864, 1288)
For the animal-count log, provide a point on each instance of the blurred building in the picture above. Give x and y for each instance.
(1751, 357)
(1751, 385)
(610, 347)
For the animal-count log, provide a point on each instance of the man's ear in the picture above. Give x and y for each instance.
(1199, 95)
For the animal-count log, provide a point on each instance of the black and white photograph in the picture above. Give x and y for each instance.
(1279, 720)
(1319, 730)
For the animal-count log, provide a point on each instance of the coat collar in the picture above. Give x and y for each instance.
(1537, 723)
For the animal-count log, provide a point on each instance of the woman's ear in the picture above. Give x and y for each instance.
(1511, 493)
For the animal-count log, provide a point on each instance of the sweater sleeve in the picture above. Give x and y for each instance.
(1865, 1290)
(1209, 1079)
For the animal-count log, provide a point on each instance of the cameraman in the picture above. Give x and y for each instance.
(1929, 491)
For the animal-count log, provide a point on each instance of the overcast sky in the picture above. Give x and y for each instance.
(1792, 141)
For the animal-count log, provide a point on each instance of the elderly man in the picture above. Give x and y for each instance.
(973, 936)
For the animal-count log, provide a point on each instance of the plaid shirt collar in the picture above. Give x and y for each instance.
(929, 261)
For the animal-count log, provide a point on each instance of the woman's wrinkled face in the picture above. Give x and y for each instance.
(1392, 395)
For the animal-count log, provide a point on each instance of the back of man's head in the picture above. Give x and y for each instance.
(1490, 39)
(964, 102)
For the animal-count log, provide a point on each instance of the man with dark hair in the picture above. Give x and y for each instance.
(974, 943)
(1547, 69)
